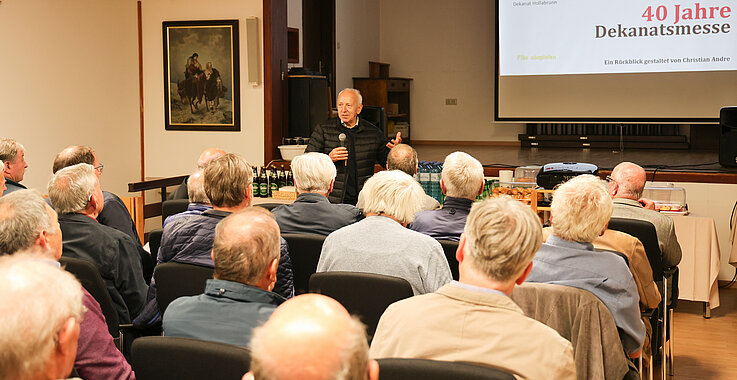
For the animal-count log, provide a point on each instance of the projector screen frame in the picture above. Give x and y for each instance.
(592, 120)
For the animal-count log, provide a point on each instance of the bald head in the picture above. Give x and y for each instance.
(208, 155)
(402, 157)
(629, 181)
(72, 155)
(311, 337)
(246, 248)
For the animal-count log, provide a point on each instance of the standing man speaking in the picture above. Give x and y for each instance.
(353, 144)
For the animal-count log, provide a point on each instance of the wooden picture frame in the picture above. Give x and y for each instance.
(201, 75)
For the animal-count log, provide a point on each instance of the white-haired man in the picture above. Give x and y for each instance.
(311, 337)
(462, 181)
(580, 212)
(29, 226)
(40, 311)
(239, 298)
(198, 201)
(381, 244)
(473, 319)
(314, 176)
(403, 157)
(13, 157)
(76, 195)
(207, 155)
(625, 186)
(364, 146)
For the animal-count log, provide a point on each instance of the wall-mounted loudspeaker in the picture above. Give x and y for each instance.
(253, 49)
(728, 136)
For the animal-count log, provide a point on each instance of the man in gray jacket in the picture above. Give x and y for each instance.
(239, 298)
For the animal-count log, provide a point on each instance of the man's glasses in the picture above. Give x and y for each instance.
(99, 168)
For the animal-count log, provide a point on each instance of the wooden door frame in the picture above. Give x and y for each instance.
(275, 66)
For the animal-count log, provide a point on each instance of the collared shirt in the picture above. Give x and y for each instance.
(227, 312)
(446, 223)
(606, 275)
(479, 289)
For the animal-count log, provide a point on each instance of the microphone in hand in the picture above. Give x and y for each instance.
(341, 138)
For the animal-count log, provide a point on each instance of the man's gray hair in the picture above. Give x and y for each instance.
(313, 172)
(402, 157)
(581, 209)
(70, 188)
(23, 216)
(353, 90)
(502, 236)
(393, 193)
(227, 179)
(9, 150)
(353, 364)
(196, 188)
(462, 175)
(36, 299)
(243, 254)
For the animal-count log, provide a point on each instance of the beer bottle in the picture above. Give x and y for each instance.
(290, 178)
(273, 182)
(263, 184)
(256, 187)
(282, 177)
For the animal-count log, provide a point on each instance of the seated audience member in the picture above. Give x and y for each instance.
(206, 156)
(198, 201)
(473, 319)
(228, 185)
(40, 311)
(12, 155)
(580, 212)
(381, 244)
(239, 298)
(75, 193)
(29, 226)
(314, 176)
(403, 157)
(114, 213)
(462, 181)
(311, 337)
(625, 186)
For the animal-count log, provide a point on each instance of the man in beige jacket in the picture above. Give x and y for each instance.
(474, 320)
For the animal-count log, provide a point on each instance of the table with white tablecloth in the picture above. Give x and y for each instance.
(699, 267)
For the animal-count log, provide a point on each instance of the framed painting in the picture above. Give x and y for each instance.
(201, 75)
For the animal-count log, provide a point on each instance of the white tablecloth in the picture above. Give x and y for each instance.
(699, 267)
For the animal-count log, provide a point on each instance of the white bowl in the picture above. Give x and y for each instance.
(288, 152)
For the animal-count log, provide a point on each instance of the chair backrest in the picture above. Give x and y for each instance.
(365, 295)
(304, 251)
(648, 236)
(173, 206)
(424, 369)
(89, 276)
(171, 358)
(174, 280)
(154, 241)
(450, 247)
(580, 317)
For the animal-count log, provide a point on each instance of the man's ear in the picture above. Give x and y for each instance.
(522, 277)
(332, 183)
(212, 255)
(460, 252)
(373, 370)
(42, 240)
(442, 187)
(481, 189)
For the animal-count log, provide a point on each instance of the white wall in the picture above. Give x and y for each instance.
(356, 39)
(172, 153)
(69, 76)
(294, 20)
(448, 48)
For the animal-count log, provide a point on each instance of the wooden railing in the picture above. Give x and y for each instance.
(154, 209)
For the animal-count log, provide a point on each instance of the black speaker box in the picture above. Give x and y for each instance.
(728, 137)
(308, 103)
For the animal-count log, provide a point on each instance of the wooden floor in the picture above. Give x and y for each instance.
(706, 348)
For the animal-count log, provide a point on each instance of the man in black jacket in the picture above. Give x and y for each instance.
(364, 145)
